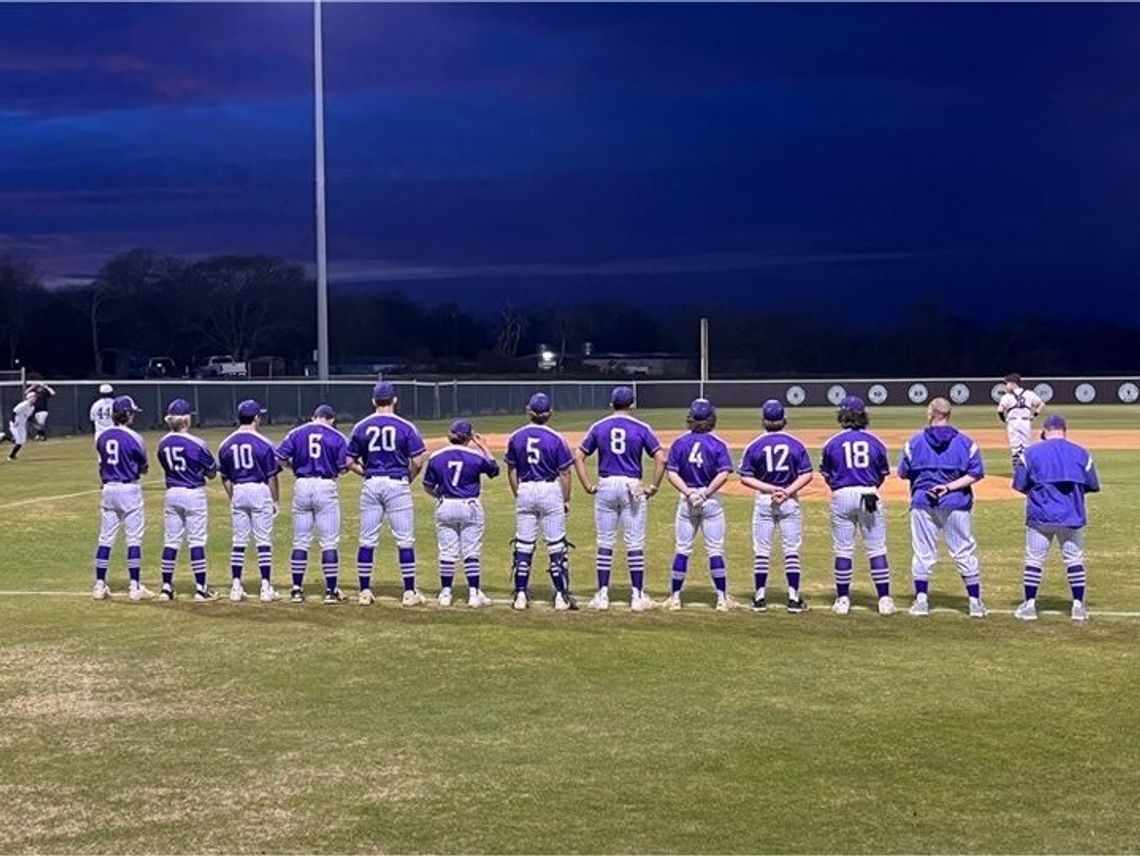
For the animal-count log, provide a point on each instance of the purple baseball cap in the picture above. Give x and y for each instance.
(851, 404)
(622, 396)
(461, 428)
(384, 391)
(772, 410)
(125, 404)
(249, 408)
(324, 411)
(179, 407)
(1055, 422)
(701, 409)
(539, 403)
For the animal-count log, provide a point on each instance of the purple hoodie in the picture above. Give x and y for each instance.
(939, 455)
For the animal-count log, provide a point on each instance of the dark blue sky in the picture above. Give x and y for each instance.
(985, 158)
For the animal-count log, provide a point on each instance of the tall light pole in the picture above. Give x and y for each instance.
(322, 256)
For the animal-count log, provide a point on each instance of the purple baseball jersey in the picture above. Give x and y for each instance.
(315, 451)
(698, 457)
(1055, 475)
(384, 444)
(186, 460)
(246, 457)
(620, 441)
(854, 459)
(775, 458)
(122, 455)
(538, 453)
(935, 456)
(454, 472)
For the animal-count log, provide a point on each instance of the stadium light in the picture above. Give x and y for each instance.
(322, 256)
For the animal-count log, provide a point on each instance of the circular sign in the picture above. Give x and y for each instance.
(1044, 392)
(1128, 392)
(959, 393)
(917, 393)
(836, 394)
(877, 394)
(997, 392)
(795, 395)
(1086, 392)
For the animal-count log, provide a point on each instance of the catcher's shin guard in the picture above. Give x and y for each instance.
(560, 564)
(521, 562)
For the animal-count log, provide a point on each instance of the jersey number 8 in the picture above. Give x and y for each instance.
(617, 441)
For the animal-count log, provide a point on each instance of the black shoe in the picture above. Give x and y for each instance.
(334, 596)
(297, 594)
(759, 604)
(797, 606)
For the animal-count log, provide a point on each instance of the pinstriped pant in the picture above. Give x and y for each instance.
(708, 519)
(389, 499)
(1039, 538)
(619, 502)
(926, 525)
(316, 505)
(849, 518)
(184, 514)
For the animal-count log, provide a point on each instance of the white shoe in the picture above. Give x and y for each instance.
(1078, 612)
(977, 608)
(166, 595)
(724, 603)
(202, 595)
(520, 601)
(366, 597)
(640, 602)
(886, 605)
(842, 605)
(237, 593)
(921, 606)
(268, 593)
(140, 592)
(600, 601)
(444, 598)
(672, 602)
(101, 591)
(561, 604)
(477, 600)
(412, 597)
(1027, 611)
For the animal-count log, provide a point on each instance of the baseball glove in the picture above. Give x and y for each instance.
(1001, 415)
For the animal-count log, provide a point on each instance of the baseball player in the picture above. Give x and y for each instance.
(855, 465)
(122, 462)
(698, 465)
(1017, 408)
(390, 452)
(453, 476)
(538, 462)
(942, 464)
(187, 463)
(1055, 475)
(40, 415)
(18, 426)
(100, 413)
(249, 468)
(318, 454)
(776, 465)
(620, 497)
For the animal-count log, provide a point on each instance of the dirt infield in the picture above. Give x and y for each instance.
(894, 489)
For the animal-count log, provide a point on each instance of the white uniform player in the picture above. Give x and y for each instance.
(1017, 408)
(100, 413)
(538, 468)
(18, 426)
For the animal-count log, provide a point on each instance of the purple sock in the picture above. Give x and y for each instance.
(134, 563)
(364, 559)
(265, 561)
(921, 586)
(237, 559)
(974, 589)
(330, 565)
(1031, 580)
(1077, 581)
(406, 556)
(169, 557)
(677, 578)
(198, 566)
(297, 562)
(637, 569)
(843, 574)
(719, 577)
(881, 575)
(102, 561)
(605, 563)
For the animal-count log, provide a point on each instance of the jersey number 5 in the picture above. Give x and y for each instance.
(533, 453)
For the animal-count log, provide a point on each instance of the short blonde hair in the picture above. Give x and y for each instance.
(178, 423)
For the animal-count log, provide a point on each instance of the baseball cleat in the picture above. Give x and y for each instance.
(140, 592)
(672, 602)
(1078, 612)
(334, 596)
(977, 608)
(1026, 611)
(600, 601)
(759, 604)
(562, 603)
(366, 597)
(477, 600)
(520, 601)
(167, 594)
(412, 597)
(297, 594)
(724, 603)
(886, 605)
(842, 605)
(101, 591)
(921, 606)
(640, 602)
(797, 606)
(444, 598)
(268, 593)
(202, 595)
(237, 593)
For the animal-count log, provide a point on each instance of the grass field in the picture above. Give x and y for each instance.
(282, 728)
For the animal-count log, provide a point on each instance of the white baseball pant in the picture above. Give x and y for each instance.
(251, 511)
(121, 506)
(539, 507)
(849, 517)
(316, 505)
(387, 499)
(1018, 430)
(184, 515)
(1038, 539)
(620, 501)
(767, 518)
(708, 518)
(926, 524)
(459, 529)
(18, 431)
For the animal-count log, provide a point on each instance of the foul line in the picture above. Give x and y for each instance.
(56, 498)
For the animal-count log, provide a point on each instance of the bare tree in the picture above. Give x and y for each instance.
(511, 325)
(17, 290)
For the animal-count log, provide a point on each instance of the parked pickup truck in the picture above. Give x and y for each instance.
(223, 365)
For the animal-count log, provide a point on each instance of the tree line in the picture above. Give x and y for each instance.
(142, 304)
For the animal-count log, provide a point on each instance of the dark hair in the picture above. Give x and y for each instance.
(383, 402)
(853, 420)
(701, 426)
(1013, 377)
(539, 418)
(775, 425)
(458, 440)
(121, 417)
(246, 420)
(621, 408)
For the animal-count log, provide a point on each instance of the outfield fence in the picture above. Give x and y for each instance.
(292, 401)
